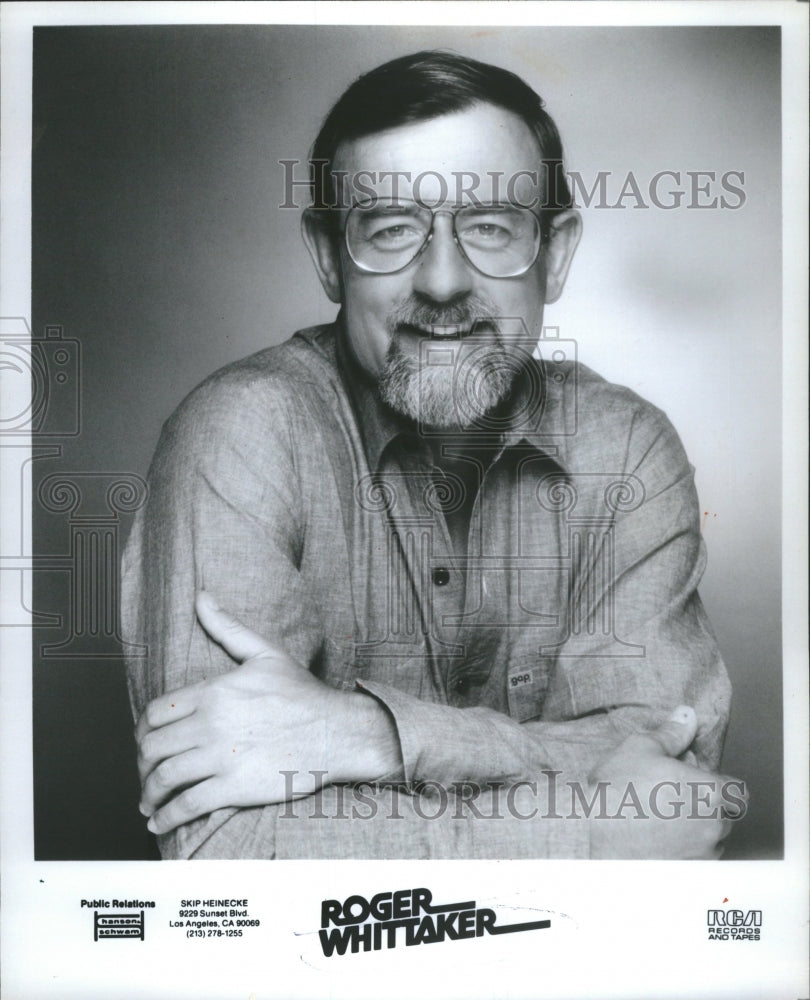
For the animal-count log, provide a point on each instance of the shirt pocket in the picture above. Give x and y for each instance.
(526, 688)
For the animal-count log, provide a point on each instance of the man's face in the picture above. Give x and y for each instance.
(439, 297)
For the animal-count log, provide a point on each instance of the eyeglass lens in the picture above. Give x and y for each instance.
(499, 240)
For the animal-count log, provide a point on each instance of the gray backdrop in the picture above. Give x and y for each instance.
(159, 246)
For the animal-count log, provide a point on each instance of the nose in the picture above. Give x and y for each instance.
(442, 274)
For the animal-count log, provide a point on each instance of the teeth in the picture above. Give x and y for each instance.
(448, 332)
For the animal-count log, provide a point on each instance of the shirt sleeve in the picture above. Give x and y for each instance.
(598, 694)
(223, 513)
(524, 820)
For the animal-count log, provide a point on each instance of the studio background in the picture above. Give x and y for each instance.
(158, 245)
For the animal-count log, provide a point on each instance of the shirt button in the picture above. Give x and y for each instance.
(441, 576)
(461, 685)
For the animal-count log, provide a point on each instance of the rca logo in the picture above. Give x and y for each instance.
(734, 925)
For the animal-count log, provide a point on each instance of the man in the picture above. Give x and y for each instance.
(397, 555)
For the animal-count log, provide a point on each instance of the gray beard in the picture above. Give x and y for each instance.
(447, 397)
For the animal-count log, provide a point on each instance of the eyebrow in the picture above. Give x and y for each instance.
(397, 206)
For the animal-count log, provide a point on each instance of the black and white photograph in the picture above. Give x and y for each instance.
(403, 453)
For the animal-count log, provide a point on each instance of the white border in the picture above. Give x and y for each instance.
(627, 939)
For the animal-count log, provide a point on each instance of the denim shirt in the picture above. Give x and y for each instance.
(284, 487)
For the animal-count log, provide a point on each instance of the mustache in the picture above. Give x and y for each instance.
(468, 312)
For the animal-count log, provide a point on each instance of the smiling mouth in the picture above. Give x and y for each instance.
(444, 331)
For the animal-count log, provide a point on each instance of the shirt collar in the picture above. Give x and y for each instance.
(378, 424)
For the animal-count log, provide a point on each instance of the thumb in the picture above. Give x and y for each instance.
(677, 733)
(236, 639)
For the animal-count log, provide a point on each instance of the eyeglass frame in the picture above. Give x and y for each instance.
(452, 212)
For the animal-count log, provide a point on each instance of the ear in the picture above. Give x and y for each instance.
(566, 230)
(322, 245)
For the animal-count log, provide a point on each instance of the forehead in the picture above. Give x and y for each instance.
(476, 144)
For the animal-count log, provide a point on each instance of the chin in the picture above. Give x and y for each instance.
(451, 398)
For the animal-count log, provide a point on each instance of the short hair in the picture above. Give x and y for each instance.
(427, 85)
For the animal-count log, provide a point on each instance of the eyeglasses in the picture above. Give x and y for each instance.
(387, 234)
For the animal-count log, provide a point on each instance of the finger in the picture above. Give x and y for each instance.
(234, 637)
(704, 842)
(168, 708)
(726, 828)
(676, 734)
(159, 744)
(199, 800)
(173, 775)
(712, 834)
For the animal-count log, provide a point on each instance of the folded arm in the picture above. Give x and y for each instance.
(194, 759)
(217, 521)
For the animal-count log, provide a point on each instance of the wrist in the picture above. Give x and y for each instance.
(362, 740)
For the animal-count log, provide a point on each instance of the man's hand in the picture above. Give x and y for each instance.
(224, 741)
(693, 811)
